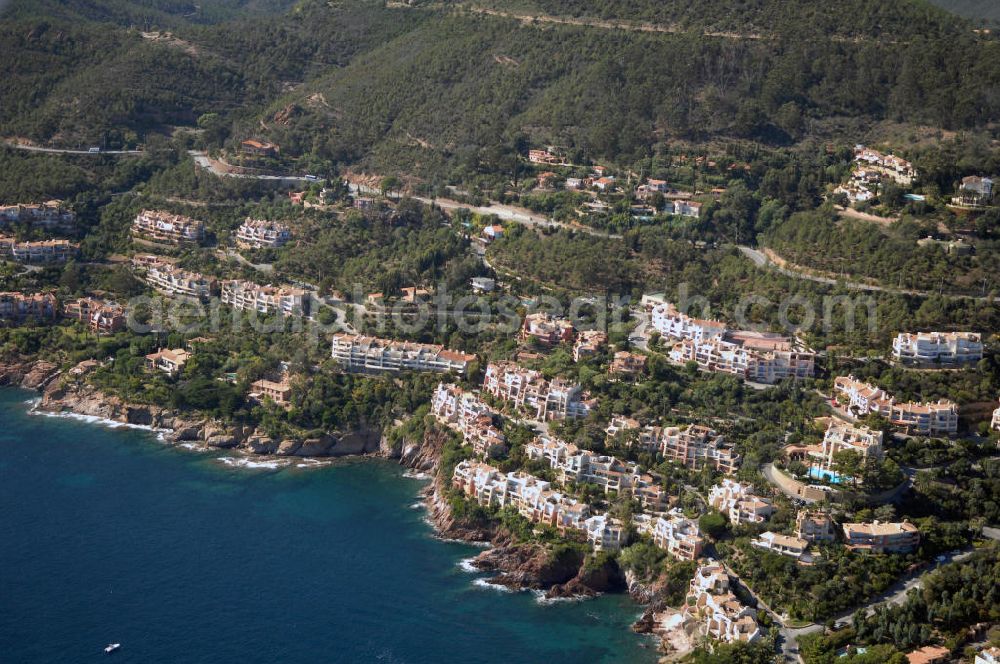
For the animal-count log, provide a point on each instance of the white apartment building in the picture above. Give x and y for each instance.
(882, 537)
(160, 226)
(529, 390)
(839, 437)
(995, 423)
(536, 501)
(928, 419)
(170, 280)
(989, 655)
(669, 322)
(694, 446)
(362, 354)
(715, 610)
(943, 348)
(469, 415)
(49, 215)
(739, 503)
(40, 252)
(604, 533)
(786, 545)
(608, 472)
(261, 234)
(672, 532)
(248, 296)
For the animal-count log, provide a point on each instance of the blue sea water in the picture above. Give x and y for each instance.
(109, 535)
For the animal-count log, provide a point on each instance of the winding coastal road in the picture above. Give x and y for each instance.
(761, 260)
(34, 148)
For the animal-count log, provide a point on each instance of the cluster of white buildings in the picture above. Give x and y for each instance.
(871, 168)
(161, 226)
(37, 252)
(889, 165)
(755, 356)
(262, 234)
(608, 472)
(739, 503)
(470, 416)
(364, 354)
(712, 610)
(50, 215)
(529, 390)
(537, 501)
(927, 419)
(672, 532)
(839, 437)
(937, 348)
(694, 446)
(168, 279)
(267, 300)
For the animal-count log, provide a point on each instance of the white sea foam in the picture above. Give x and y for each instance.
(244, 462)
(485, 583)
(542, 599)
(194, 447)
(314, 463)
(94, 419)
(416, 475)
(417, 506)
(465, 564)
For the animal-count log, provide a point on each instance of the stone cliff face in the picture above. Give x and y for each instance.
(71, 393)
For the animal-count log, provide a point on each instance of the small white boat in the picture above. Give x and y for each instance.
(111, 647)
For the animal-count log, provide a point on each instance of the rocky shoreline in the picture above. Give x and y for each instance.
(518, 566)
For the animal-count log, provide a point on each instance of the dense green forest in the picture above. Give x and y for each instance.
(984, 10)
(325, 80)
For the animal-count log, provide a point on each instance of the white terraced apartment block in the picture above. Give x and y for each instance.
(989, 655)
(160, 226)
(928, 419)
(672, 532)
(469, 415)
(754, 356)
(259, 234)
(48, 215)
(670, 322)
(839, 437)
(714, 611)
(526, 389)
(694, 446)
(607, 472)
(535, 500)
(943, 348)
(739, 503)
(171, 280)
(40, 252)
(362, 354)
(248, 296)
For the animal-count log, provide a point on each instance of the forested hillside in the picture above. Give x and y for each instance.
(984, 10)
(434, 87)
